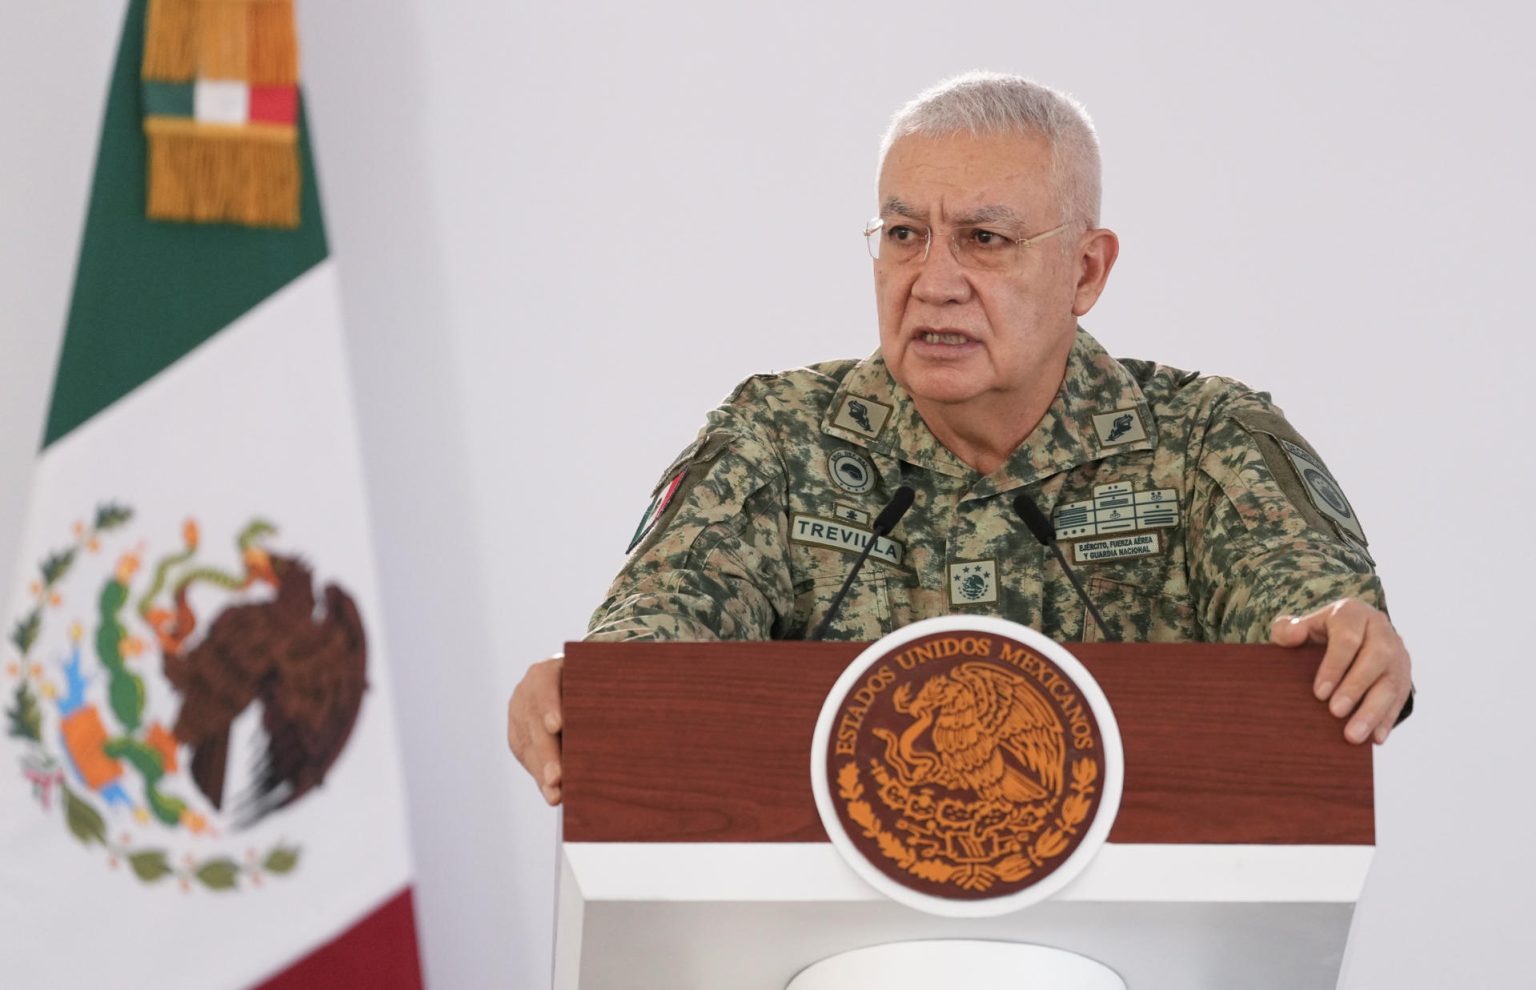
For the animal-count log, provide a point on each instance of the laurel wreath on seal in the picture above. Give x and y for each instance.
(1049, 844)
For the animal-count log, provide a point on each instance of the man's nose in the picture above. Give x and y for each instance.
(940, 278)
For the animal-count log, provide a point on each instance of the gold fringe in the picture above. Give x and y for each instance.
(223, 39)
(249, 40)
(221, 174)
(274, 44)
(170, 46)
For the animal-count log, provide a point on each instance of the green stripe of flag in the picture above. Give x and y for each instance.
(165, 99)
(147, 292)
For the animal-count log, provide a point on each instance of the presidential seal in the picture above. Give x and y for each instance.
(967, 766)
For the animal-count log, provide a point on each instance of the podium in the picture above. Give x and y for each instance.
(692, 855)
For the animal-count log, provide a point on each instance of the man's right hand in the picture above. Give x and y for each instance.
(533, 725)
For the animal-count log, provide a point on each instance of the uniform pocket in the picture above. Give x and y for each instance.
(864, 615)
(1136, 615)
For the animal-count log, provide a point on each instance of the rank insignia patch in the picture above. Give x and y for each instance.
(862, 415)
(1120, 426)
(852, 473)
(658, 506)
(843, 510)
(973, 582)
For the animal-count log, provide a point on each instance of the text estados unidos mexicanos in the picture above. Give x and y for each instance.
(1079, 720)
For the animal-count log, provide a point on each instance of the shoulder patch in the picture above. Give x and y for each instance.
(659, 503)
(1301, 474)
(675, 480)
(1323, 490)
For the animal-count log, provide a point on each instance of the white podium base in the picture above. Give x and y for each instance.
(971, 963)
(699, 916)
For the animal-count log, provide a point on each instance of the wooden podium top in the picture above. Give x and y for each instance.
(711, 742)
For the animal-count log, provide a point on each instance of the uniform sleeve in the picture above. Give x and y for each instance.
(714, 564)
(1259, 545)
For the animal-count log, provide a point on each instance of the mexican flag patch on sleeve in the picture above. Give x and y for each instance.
(658, 506)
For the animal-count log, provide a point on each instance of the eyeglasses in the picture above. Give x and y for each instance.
(973, 247)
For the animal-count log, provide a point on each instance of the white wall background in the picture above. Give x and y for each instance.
(566, 230)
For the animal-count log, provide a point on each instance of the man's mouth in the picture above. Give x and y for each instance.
(944, 337)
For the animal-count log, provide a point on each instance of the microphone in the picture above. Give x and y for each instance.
(884, 523)
(1046, 533)
(893, 511)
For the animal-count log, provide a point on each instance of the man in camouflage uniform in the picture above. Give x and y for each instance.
(1194, 511)
(1191, 523)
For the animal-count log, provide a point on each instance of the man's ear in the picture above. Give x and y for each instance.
(1097, 250)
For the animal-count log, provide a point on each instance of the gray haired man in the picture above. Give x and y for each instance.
(1196, 511)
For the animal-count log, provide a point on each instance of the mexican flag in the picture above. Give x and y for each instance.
(200, 782)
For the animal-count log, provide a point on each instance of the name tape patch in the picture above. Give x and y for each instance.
(816, 531)
(1117, 508)
(1119, 548)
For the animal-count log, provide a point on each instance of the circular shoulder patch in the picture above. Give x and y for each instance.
(852, 472)
(1327, 491)
(967, 766)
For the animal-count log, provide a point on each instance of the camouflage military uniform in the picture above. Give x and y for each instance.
(1190, 507)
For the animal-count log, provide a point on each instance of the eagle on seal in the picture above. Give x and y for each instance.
(991, 731)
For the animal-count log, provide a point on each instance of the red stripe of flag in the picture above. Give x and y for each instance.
(379, 952)
(274, 104)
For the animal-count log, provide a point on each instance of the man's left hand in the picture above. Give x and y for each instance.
(1365, 674)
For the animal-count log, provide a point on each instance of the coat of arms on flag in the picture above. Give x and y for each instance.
(135, 671)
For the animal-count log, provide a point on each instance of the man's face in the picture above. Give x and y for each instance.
(951, 334)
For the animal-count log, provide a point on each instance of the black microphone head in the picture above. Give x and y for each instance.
(1035, 519)
(894, 510)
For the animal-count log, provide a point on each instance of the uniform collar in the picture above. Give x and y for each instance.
(1086, 422)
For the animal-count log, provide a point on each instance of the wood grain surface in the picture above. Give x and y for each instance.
(711, 742)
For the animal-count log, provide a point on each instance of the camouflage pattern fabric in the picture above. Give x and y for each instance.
(778, 491)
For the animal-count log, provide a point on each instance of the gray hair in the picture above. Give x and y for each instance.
(993, 103)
